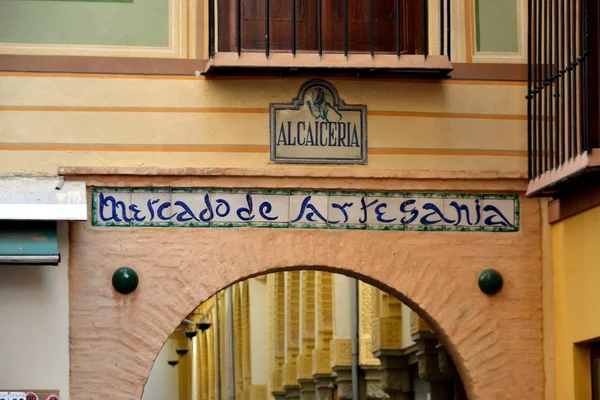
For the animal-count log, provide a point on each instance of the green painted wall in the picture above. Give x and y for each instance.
(497, 26)
(140, 23)
(91, 1)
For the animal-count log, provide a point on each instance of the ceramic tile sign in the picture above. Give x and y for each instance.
(317, 127)
(181, 207)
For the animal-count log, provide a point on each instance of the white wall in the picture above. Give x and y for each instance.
(34, 338)
(162, 383)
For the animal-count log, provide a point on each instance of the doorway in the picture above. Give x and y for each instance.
(303, 335)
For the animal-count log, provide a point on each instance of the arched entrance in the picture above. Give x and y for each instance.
(495, 342)
(303, 335)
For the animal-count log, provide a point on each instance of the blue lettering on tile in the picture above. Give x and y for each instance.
(463, 212)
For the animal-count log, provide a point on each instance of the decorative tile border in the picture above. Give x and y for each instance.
(225, 208)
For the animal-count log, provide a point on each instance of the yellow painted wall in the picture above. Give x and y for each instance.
(48, 121)
(32, 28)
(549, 304)
(577, 273)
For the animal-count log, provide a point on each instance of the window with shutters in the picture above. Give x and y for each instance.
(361, 34)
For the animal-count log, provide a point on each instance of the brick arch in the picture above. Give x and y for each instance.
(495, 342)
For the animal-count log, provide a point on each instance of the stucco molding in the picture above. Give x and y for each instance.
(302, 178)
(462, 72)
(417, 324)
(305, 172)
(365, 349)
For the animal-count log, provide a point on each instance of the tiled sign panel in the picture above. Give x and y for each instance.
(317, 127)
(304, 209)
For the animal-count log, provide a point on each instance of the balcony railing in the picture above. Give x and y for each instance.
(562, 93)
(369, 35)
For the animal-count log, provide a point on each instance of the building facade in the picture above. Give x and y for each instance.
(563, 164)
(199, 146)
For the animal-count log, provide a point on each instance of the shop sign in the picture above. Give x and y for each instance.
(35, 395)
(179, 207)
(317, 127)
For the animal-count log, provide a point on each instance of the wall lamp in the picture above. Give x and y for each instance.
(181, 352)
(190, 334)
(203, 326)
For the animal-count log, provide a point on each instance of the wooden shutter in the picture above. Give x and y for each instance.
(359, 31)
(280, 27)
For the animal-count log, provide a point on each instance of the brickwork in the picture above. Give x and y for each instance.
(496, 342)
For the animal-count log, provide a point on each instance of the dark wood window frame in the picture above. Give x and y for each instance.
(595, 369)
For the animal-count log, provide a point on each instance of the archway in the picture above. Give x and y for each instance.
(494, 341)
(303, 334)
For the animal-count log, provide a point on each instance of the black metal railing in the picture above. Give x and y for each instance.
(229, 34)
(559, 93)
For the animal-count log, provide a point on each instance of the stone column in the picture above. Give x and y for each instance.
(184, 367)
(276, 302)
(237, 342)
(449, 371)
(323, 386)
(371, 377)
(222, 322)
(246, 348)
(307, 335)
(259, 348)
(321, 370)
(341, 345)
(211, 355)
(195, 354)
(292, 331)
(429, 357)
(204, 360)
(387, 346)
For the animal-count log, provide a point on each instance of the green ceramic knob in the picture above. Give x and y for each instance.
(490, 281)
(125, 280)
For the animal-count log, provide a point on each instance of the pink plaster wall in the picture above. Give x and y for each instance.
(496, 341)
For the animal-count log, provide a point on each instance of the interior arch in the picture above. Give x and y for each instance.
(184, 325)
